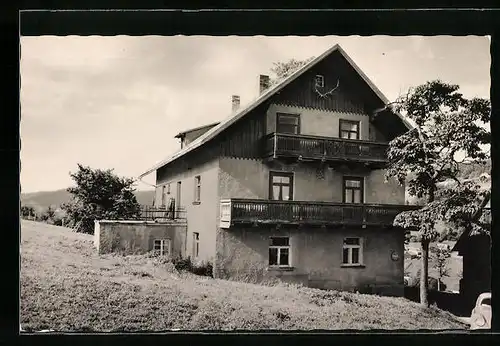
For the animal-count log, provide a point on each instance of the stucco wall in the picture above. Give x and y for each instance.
(136, 237)
(201, 217)
(316, 258)
(250, 179)
(323, 123)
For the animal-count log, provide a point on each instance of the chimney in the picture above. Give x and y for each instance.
(263, 83)
(235, 100)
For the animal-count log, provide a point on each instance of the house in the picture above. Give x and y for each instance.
(475, 250)
(292, 185)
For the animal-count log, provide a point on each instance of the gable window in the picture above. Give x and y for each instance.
(349, 129)
(197, 188)
(353, 190)
(352, 251)
(288, 123)
(319, 81)
(196, 244)
(161, 247)
(279, 251)
(281, 186)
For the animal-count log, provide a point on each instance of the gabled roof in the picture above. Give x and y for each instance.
(181, 134)
(213, 132)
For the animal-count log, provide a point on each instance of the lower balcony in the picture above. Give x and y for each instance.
(251, 211)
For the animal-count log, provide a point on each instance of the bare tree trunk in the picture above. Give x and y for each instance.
(424, 277)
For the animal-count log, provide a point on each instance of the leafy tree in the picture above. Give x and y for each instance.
(281, 70)
(440, 258)
(100, 194)
(27, 211)
(446, 126)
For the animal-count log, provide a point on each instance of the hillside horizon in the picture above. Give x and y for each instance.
(41, 200)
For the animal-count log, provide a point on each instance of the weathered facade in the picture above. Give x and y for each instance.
(292, 186)
(139, 237)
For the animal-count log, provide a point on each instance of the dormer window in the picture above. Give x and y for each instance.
(319, 81)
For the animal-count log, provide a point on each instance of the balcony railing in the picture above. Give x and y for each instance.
(250, 211)
(324, 148)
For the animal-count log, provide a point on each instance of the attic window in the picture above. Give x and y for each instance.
(319, 81)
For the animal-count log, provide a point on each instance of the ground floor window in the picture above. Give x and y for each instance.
(279, 251)
(352, 251)
(162, 247)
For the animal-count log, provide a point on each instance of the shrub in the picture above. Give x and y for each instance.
(205, 268)
(183, 264)
(432, 282)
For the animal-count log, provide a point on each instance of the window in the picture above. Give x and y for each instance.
(163, 197)
(281, 186)
(353, 190)
(352, 251)
(319, 81)
(288, 123)
(162, 247)
(279, 251)
(349, 129)
(168, 189)
(196, 244)
(197, 188)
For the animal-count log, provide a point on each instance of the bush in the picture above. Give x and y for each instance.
(205, 268)
(183, 264)
(432, 283)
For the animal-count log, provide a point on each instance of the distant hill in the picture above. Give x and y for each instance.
(43, 199)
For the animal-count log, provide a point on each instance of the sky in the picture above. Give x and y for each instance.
(118, 101)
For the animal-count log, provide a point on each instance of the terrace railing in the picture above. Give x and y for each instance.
(152, 213)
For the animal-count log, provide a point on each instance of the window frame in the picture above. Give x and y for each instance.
(273, 174)
(361, 189)
(291, 115)
(161, 250)
(196, 244)
(322, 78)
(197, 189)
(349, 248)
(278, 253)
(346, 121)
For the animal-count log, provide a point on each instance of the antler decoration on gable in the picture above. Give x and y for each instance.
(327, 93)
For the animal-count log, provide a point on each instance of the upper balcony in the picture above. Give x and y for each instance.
(237, 211)
(327, 149)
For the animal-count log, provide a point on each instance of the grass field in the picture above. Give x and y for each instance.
(66, 286)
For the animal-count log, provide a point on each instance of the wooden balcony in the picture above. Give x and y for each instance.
(328, 149)
(258, 212)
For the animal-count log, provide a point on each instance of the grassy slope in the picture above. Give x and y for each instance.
(66, 286)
